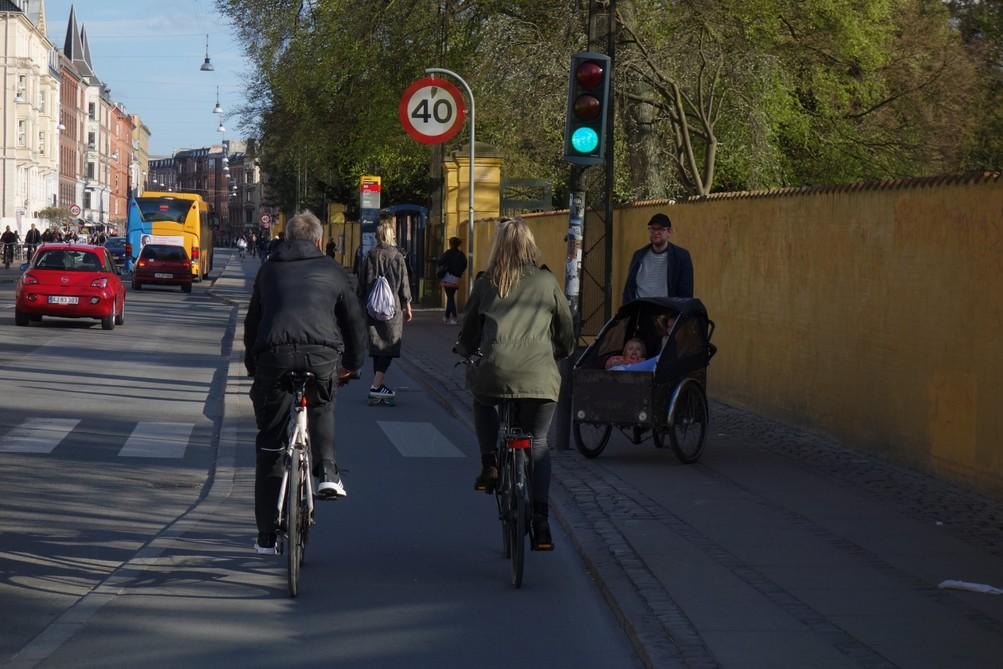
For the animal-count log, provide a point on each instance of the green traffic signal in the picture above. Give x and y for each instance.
(585, 140)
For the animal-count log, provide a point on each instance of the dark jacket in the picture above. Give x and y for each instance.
(679, 278)
(521, 337)
(301, 297)
(385, 336)
(33, 237)
(453, 261)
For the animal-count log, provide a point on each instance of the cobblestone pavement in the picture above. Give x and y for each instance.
(598, 507)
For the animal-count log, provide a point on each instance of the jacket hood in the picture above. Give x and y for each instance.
(288, 251)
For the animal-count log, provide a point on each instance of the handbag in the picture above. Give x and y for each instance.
(449, 280)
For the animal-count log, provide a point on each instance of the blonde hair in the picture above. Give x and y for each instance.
(386, 235)
(512, 250)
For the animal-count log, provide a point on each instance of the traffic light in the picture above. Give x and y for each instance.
(588, 101)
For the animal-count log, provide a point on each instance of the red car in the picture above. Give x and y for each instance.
(164, 265)
(70, 281)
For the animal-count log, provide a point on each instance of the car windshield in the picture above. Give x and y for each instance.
(69, 261)
(164, 253)
(116, 243)
(163, 209)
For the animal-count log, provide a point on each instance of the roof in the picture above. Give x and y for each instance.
(8, 6)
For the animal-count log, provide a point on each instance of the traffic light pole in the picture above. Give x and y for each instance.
(572, 291)
(470, 193)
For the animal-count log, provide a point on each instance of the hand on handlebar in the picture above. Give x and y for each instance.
(346, 375)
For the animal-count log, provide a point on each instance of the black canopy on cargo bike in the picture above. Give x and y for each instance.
(670, 400)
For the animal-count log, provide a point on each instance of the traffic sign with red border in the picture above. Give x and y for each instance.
(266, 219)
(74, 210)
(432, 110)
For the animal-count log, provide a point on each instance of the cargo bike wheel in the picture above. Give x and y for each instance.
(687, 422)
(591, 438)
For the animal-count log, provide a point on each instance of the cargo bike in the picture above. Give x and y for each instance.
(666, 399)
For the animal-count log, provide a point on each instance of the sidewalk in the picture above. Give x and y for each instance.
(781, 548)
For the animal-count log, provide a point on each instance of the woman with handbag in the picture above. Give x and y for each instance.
(452, 265)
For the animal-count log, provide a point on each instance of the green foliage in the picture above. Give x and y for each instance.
(54, 215)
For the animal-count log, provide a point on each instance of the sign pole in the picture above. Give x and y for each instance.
(470, 194)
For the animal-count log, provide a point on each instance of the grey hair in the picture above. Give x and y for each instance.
(304, 226)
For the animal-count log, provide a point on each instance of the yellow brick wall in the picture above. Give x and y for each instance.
(875, 314)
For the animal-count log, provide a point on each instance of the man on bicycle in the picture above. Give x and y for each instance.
(9, 239)
(303, 316)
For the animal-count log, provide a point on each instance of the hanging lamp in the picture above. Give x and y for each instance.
(217, 109)
(207, 64)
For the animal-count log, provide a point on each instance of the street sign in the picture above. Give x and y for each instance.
(265, 219)
(431, 110)
(74, 210)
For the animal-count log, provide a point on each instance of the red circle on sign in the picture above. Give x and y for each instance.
(74, 210)
(449, 88)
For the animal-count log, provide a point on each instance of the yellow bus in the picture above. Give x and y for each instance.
(179, 219)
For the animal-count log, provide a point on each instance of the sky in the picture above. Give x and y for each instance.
(149, 52)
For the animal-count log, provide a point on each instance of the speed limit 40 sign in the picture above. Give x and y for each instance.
(431, 110)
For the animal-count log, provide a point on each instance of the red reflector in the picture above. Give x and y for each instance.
(195, 253)
(520, 442)
(303, 401)
(142, 263)
(128, 249)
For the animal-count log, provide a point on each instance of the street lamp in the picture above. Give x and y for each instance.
(207, 64)
(220, 128)
(217, 109)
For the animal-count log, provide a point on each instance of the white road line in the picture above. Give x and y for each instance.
(419, 440)
(157, 440)
(37, 435)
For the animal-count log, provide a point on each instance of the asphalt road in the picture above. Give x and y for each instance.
(126, 518)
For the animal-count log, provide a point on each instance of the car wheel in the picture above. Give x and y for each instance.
(35, 319)
(186, 287)
(108, 322)
(120, 319)
(20, 319)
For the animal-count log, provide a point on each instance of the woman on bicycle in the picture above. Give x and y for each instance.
(519, 320)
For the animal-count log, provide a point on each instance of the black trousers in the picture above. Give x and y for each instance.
(450, 302)
(530, 415)
(381, 363)
(272, 401)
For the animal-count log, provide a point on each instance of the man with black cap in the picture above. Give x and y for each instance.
(660, 269)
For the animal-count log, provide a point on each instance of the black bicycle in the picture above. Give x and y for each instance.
(514, 490)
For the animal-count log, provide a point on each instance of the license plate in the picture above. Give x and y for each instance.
(63, 299)
(163, 276)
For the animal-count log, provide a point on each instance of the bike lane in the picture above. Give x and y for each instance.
(407, 571)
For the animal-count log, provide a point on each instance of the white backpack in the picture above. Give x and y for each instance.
(380, 304)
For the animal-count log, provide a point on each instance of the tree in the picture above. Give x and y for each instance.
(54, 216)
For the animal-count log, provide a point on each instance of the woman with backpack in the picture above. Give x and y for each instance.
(386, 290)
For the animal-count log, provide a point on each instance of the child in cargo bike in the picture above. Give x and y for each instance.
(632, 359)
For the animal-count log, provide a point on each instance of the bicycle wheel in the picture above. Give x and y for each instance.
(591, 438)
(502, 494)
(294, 547)
(304, 515)
(688, 421)
(518, 509)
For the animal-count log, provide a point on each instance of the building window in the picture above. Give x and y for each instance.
(87, 199)
(41, 143)
(41, 101)
(90, 170)
(91, 112)
(22, 85)
(22, 132)
(91, 142)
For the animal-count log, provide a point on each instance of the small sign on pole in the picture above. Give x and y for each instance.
(431, 110)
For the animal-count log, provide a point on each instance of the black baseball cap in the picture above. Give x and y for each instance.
(661, 221)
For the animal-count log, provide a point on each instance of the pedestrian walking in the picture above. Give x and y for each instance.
(242, 246)
(519, 320)
(385, 261)
(660, 269)
(452, 264)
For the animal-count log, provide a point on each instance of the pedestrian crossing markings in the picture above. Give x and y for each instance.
(153, 439)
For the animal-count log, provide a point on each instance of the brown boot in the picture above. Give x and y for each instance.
(488, 478)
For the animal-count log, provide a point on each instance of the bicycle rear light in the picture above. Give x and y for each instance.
(519, 442)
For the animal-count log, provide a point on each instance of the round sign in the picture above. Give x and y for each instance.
(266, 219)
(432, 111)
(74, 210)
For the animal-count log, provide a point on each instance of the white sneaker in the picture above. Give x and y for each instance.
(452, 321)
(266, 550)
(332, 488)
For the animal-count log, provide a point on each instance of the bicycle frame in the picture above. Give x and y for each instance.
(514, 493)
(297, 446)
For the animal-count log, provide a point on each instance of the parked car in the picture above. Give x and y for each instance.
(70, 281)
(120, 249)
(163, 265)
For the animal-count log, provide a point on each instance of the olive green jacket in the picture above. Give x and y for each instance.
(521, 336)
